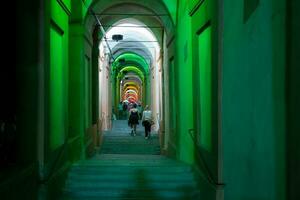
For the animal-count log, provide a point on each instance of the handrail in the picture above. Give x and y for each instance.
(208, 173)
(54, 165)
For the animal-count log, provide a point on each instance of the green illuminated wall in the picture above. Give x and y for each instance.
(57, 78)
(83, 83)
(173, 111)
(184, 85)
(172, 8)
(205, 88)
(196, 79)
(58, 95)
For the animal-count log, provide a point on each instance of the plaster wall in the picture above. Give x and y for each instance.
(184, 84)
(253, 101)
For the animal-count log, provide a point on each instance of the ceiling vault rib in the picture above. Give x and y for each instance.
(104, 33)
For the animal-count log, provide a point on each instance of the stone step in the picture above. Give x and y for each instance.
(128, 163)
(118, 185)
(130, 143)
(156, 186)
(129, 169)
(130, 156)
(131, 151)
(131, 146)
(132, 197)
(129, 160)
(138, 137)
(129, 177)
(179, 193)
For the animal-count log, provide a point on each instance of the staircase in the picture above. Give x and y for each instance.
(130, 168)
(119, 176)
(130, 145)
(120, 141)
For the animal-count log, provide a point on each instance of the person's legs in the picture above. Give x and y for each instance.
(134, 129)
(147, 129)
(131, 126)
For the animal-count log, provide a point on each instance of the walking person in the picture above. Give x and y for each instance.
(147, 121)
(133, 120)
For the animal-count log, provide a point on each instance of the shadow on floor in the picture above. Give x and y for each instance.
(143, 190)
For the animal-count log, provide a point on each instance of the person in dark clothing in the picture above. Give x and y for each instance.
(133, 120)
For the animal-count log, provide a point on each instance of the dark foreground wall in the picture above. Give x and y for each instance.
(253, 107)
(18, 113)
(293, 99)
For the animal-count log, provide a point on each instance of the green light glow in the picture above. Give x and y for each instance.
(205, 87)
(58, 72)
(131, 58)
(56, 89)
(134, 63)
(134, 69)
(172, 8)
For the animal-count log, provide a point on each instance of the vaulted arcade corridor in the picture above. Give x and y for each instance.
(221, 79)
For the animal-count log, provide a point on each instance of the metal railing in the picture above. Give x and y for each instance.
(54, 164)
(207, 172)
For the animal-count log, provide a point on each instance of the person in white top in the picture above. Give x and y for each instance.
(147, 121)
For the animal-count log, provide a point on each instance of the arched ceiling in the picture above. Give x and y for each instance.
(132, 30)
(139, 48)
(135, 37)
(133, 70)
(132, 82)
(160, 14)
(136, 48)
(130, 60)
(132, 77)
(131, 89)
(131, 92)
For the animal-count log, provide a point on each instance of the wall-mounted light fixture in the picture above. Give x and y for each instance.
(117, 37)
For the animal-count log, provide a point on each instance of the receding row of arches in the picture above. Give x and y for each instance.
(135, 64)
